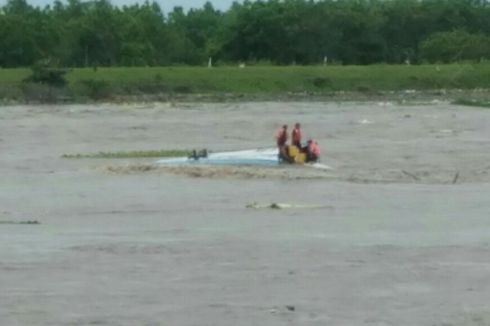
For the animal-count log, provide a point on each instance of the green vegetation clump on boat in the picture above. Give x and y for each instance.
(132, 154)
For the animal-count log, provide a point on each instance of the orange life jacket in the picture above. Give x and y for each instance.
(314, 149)
(281, 137)
(296, 137)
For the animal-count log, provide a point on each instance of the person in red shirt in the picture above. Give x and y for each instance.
(296, 136)
(281, 140)
(313, 151)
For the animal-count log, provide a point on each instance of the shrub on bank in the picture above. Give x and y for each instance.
(92, 89)
(42, 74)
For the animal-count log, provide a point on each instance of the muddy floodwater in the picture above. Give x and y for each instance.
(397, 233)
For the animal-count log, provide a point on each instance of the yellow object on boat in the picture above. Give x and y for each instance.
(295, 153)
(300, 158)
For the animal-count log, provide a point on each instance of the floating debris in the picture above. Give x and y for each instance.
(33, 222)
(284, 206)
(290, 308)
(411, 175)
(456, 177)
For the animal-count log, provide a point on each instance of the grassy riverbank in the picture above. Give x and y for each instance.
(85, 84)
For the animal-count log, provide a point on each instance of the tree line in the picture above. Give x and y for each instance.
(96, 33)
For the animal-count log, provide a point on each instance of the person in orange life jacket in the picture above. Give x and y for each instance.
(313, 151)
(281, 139)
(282, 136)
(296, 136)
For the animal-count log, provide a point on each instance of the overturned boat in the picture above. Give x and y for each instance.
(251, 157)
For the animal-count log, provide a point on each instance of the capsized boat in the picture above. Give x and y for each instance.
(251, 157)
(266, 156)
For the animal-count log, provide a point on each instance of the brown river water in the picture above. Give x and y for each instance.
(397, 233)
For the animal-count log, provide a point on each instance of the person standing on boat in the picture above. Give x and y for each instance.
(281, 140)
(282, 136)
(313, 151)
(296, 136)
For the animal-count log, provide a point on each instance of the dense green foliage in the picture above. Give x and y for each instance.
(96, 33)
